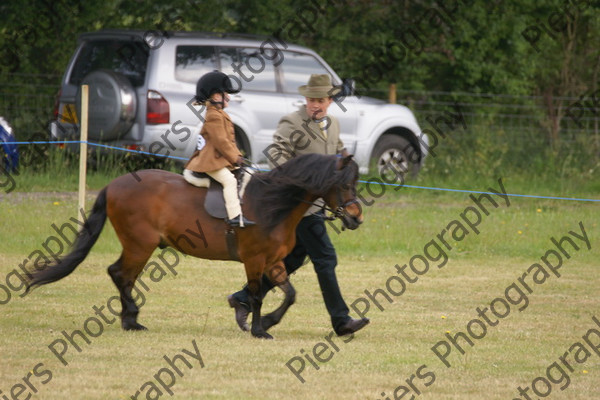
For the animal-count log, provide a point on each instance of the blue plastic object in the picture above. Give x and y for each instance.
(10, 158)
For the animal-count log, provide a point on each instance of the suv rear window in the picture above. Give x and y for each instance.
(125, 57)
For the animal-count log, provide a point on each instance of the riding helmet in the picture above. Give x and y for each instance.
(213, 82)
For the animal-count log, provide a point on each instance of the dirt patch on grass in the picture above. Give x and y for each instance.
(20, 197)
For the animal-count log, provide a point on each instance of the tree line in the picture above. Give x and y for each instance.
(546, 48)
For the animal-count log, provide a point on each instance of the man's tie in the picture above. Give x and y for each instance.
(323, 126)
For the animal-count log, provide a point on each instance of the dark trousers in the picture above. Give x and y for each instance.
(312, 240)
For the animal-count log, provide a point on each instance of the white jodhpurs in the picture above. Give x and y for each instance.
(232, 202)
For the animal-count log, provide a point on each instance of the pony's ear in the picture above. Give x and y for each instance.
(346, 160)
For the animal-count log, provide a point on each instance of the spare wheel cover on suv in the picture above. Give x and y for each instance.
(112, 104)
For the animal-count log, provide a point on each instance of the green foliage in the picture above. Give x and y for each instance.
(467, 159)
(470, 45)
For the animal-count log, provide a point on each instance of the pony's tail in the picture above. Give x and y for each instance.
(90, 232)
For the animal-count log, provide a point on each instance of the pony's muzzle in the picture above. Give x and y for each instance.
(352, 216)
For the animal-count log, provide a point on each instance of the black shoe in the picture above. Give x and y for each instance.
(236, 221)
(353, 325)
(241, 312)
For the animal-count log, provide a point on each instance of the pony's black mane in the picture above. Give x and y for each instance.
(275, 193)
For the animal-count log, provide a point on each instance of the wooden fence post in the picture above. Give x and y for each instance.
(392, 94)
(83, 136)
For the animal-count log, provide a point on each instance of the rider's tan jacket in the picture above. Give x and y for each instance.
(220, 150)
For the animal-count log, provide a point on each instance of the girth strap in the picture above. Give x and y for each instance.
(232, 244)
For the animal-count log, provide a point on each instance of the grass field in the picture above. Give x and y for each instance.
(391, 358)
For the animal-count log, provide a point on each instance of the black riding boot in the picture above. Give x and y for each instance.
(236, 221)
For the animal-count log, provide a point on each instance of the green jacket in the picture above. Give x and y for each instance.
(298, 134)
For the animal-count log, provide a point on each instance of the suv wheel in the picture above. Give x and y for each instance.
(394, 158)
(112, 104)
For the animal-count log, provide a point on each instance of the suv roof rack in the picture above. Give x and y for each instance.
(194, 34)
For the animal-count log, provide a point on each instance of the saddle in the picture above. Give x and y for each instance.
(214, 203)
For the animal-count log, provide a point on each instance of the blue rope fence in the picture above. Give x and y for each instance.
(479, 192)
(362, 181)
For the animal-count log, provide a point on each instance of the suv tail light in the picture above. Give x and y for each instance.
(64, 112)
(157, 109)
(56, 103)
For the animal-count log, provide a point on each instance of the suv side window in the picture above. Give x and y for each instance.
(297, 68)
(191, 62)
(254, 68)
(125, 57)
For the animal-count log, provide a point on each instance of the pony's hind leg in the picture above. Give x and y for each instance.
(124, 272)
(279, 277)
(274, 317)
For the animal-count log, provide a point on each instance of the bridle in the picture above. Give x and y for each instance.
(339, 210)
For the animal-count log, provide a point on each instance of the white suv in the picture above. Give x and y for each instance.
(142, 86)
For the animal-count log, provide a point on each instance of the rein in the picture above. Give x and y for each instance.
(250, 170)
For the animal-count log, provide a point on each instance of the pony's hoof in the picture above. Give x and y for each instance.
(267, 322)
(262, 335)
(134, 326)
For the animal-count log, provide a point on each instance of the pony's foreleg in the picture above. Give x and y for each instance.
(278, 277)
(254, 276)
(129, 310)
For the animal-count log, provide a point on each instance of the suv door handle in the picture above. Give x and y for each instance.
(298, 103)
(237, 98)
